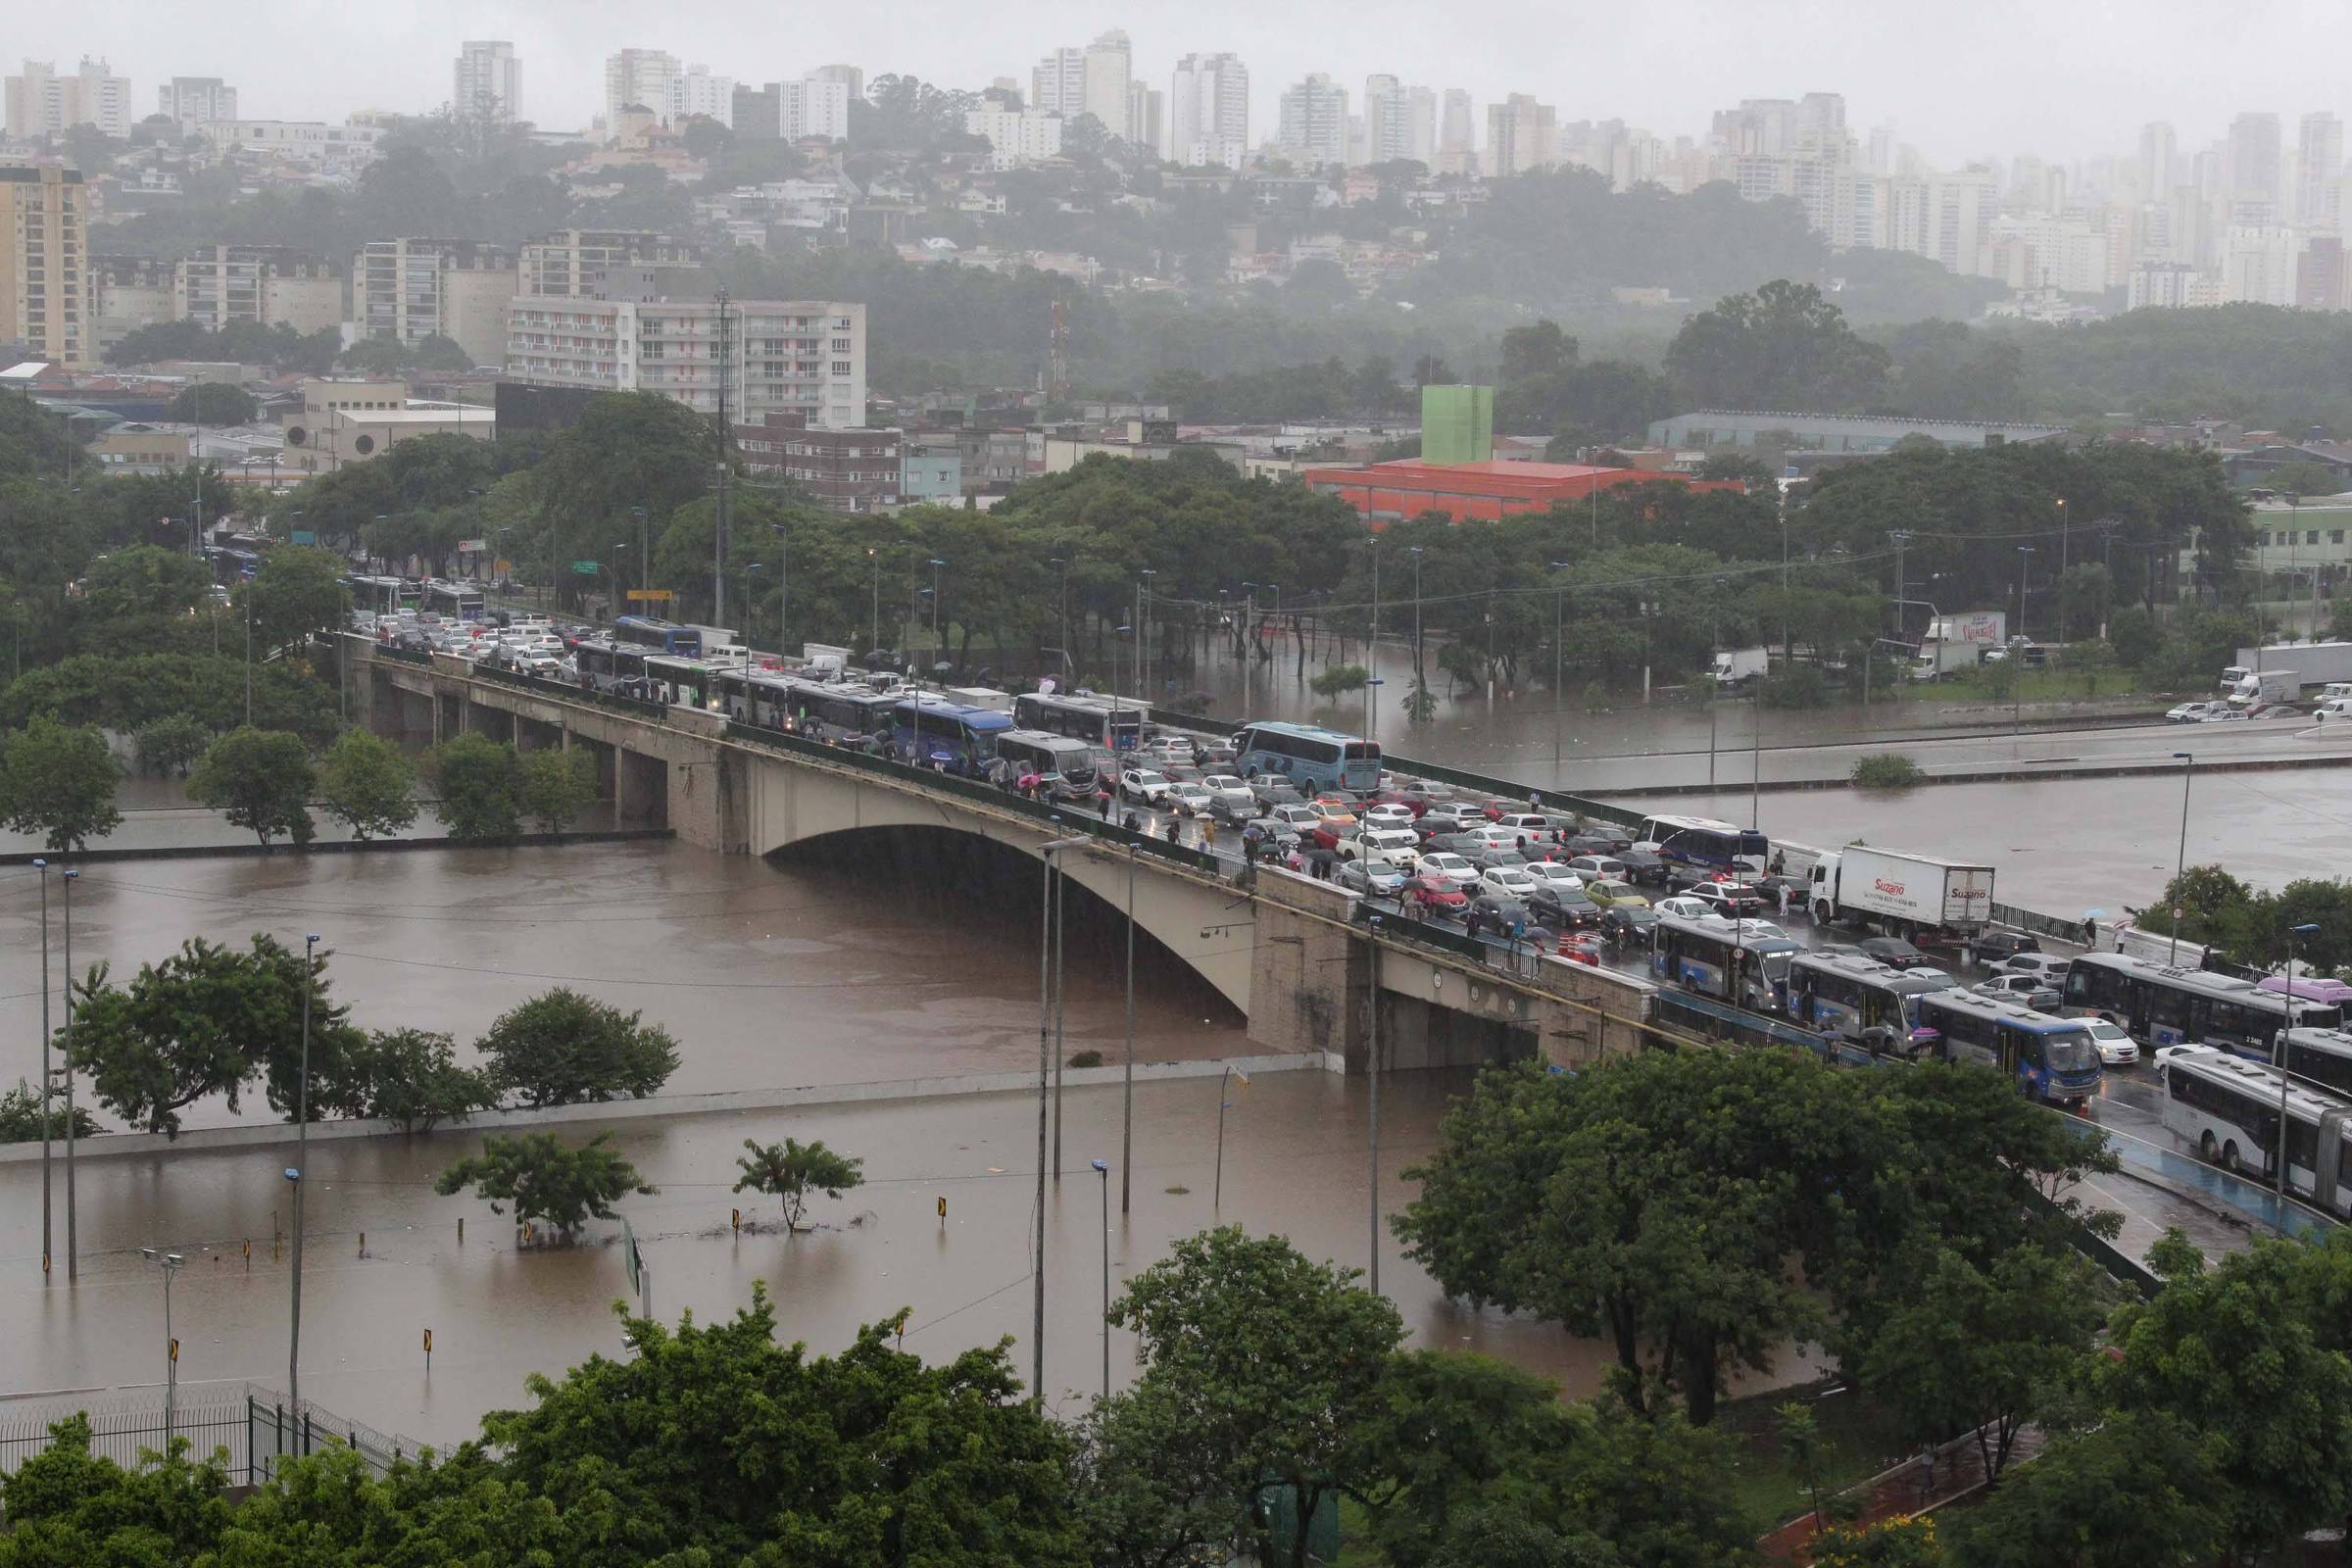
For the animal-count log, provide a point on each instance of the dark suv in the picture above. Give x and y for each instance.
(1993, 946)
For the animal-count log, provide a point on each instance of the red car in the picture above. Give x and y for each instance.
(1434, 892)
(1580, 947)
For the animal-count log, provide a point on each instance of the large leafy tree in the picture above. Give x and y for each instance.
(2141, 1490)
(1652, 1201)
(410, 1076)
(367, 785)
(561, 1047)
(261, 780)
(543, 1177)
(297, 592)
(481, 787)
(59, 783)
(791, 1171)
(557, 786)
(66, 1505)
(1270, 1359)
(1781, 347)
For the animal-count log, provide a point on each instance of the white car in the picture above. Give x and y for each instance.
(2333, 708)
(2221, 714)
(1390, 845)
(2048, 969)
(1387, 814)
(2189, 712)
(1687, 908)
(2117, 1047)
(1299, 818)
(1230, 790)
(1508, 881)
(1556, 874)
(1145, 785)
(2014, 987)
(1763, 931)
(1190, 799)
(1454, 868)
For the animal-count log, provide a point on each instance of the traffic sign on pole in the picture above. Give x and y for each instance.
(586, 568)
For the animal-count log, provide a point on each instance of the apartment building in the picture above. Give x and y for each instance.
(195, 102)
(642, 77)
(848, 470)
(412, 289)
(696, 93)
(1313, 126)
(569, 262)
(810, 109)
(218, 284)
(803, 358)
(1095, 80)
(1015, 136)
(45, 291)
(1208, 111)
(486, 81)
(1522, 136)
(129, 292)
(42, 103)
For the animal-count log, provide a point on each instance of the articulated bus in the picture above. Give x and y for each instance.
(1703, 955)
(1112, 723)
(603, 667)
(1704, 842)
(662, 636)
(2051, 1058)
(1308, 756)
(2226, 1109)
(2163, 1006)
(949, 734)
(383, 596)
(1858, 999)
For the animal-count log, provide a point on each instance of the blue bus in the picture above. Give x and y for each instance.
(662, 636)
(2051, 1058)
(1310, 756)
(1707, 844)
(931, 732)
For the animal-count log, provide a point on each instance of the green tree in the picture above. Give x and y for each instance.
(411, 1076)
(297, 593)
(67, 1506)
(1983, 1349)
(21, 1116)
(261, 779)
(1887, 770)
(213, 403)
(481, 787)
(59, 783)
(546, 1180)
(561, 1047)
(1781, 347)
(1272, 1358)
(1899, 1543)
(557, 786)
(172, 743)
(791, 1171)
(1340, 680)
(2143, 1490)
(366, 784)
(1652, 1199)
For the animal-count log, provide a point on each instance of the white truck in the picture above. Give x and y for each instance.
(2266, 686)
(1903, 894)
(2314, 663)
(1736, 666)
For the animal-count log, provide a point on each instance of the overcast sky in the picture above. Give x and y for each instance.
(1959, 78)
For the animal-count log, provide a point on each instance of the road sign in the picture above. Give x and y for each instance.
(651, 593)
(303, 536)
(586, 568)
(502, 566)
(473, 547)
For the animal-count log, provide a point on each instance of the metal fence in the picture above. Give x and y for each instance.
(253, 1427)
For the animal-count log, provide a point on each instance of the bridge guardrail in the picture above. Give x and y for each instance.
(1059, 819)
(403, 655)
(1427, 932)
(612, 701)
(1512, 789)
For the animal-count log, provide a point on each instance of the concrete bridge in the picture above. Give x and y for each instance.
(1302, 960)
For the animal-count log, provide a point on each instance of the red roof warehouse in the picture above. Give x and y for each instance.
(1387, 491)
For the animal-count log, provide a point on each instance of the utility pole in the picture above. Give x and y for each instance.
(72, 1241)
(2062, 536)
(719, 542)
(1372, 652)
(299, 1175)
(42, 866)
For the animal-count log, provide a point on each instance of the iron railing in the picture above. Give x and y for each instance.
(252, 1428)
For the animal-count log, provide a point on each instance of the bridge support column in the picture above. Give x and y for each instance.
(1309, 970)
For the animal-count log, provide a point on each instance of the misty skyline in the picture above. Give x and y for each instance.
(1997, 78)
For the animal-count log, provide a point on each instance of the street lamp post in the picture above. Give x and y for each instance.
(72, 1241)
(1372, 647)
(1559, 630)
(1045, 1051)
(42, 866)
(1103, 1170)
(1127, 1086)
(2279, 1154)
(171, 1263)
(1064, 563)
(1372, 1095)
(1419, 678)
(2188, 763)
(2064, 538)
(249, 584)
(1142, 636)
(2017, 651)
(938, 647)
(1372, 683)
(645, 549)
(874, 636)
(751, 610)
(298, 1173)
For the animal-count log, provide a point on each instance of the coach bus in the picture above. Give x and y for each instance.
(1707, 844)
(1308, 754)
(1111, 723)
(2050, 1058)
(2228, 1109)
(2163, 1006)
(949, 734)
(662, 636)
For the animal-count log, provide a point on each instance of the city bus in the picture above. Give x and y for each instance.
(1706, 843)
(382, 596)
(1858, 999)
(1072, 769)
(2322, 1057)
(606, 667)
(1308, 756)
(931, 730)
(1703, 955)
(2051, 1058)
(1111, 723)
(2228, 1108)
(644, 632)
(2163, 1006)
(454, 601)
(840, 712)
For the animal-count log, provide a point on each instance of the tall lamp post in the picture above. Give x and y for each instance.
(2278, 1156)
(2064, 537)
(1419, 680)
(42, 866)
(72, 1241)
(171, 1263)
(298, 1174)
(1045, 1052)
(1104, 1170)
(1560, 630)
(1142, 637)
(2017, 651)
(2189, 764)
(751, 610)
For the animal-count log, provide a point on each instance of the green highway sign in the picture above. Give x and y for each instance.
(303, 536)
(586, 568)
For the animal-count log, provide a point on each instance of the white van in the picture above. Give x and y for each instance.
(2335, 707)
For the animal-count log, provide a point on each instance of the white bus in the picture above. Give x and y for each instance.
(1701, 955)
(454, 601)
(2321, 1057)
(2162, 1006)
(1707, 844)
(1071, 768)
(1111, 723)
(1858, 999)
(2228, 1109)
